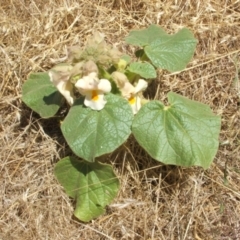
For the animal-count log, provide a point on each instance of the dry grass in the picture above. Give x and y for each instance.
(155, 201)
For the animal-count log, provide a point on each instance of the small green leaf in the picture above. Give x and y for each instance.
(184, 133)
(145, 70)
(92, 133)
(144, 37)
(172, 52)
(91, 185)
(126, 58)
(40, 95)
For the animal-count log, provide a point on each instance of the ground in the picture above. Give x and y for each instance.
(155, 201)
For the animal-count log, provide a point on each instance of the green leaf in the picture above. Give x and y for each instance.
(184, 133)
(145, 70)
(126, 58)
(92, 133)
(144, 37)
(172, 52)
(91, 185)
(40, 95)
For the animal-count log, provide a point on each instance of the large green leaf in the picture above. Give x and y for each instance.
(144, 37)
(91, 185)
(184, 133)
(172, 52)
(92, 133)
(40, 95)
(144, 69)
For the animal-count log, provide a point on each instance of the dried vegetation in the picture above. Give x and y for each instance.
(155, 201)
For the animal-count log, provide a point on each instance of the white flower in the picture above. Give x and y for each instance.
(128, 91)
(131, 93)
(59, 76)
(94, 89)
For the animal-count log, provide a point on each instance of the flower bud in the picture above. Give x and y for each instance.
(119, 78)
(121, 65)
(89, 67)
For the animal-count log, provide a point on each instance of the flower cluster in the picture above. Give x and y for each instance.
(86, 74)
(84, 77)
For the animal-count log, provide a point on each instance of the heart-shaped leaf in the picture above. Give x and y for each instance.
(184, 133)
(91, 185)
(172, 52)
(144, 37)
(40, 95)
(144, 69)
(92, 133)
